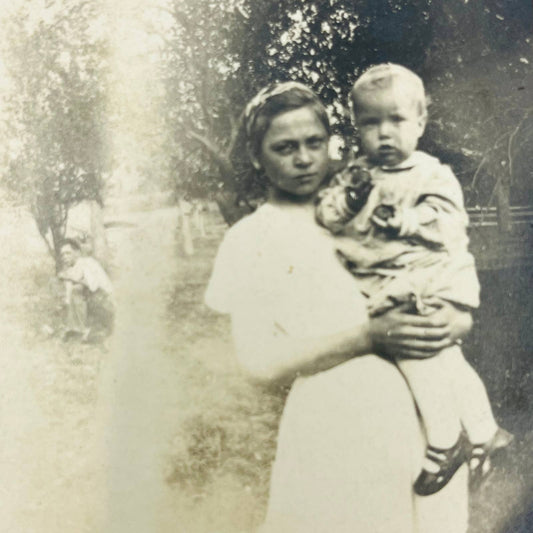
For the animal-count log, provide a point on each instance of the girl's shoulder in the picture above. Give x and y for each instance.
(247, 234)
(250, 224)
(233, 269)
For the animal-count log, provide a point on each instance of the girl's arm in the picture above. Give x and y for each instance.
(271, 355)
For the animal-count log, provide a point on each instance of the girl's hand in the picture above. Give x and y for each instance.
(401, 334)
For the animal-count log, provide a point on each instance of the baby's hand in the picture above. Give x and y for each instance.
(356, 193)
(382, 214)
(395, 221)
(404, 221)
(361, 183)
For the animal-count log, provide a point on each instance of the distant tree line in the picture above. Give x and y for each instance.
(475, 58)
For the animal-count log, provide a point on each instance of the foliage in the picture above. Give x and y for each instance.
(475, 58)
(482, 120)
(56, 155)
(196, 64)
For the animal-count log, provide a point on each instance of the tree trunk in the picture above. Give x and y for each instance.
(227, 201)
(229, 209)
(99, 241)
(185, 210)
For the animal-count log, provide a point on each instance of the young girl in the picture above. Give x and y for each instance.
(349, 442)
(402, 214)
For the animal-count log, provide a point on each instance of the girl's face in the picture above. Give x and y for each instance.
(294, 153)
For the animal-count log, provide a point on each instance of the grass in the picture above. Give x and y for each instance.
(221, 430)
(228, 435)
(49, 393)
(230, 432)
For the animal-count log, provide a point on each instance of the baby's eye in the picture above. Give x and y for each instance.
(397, 118)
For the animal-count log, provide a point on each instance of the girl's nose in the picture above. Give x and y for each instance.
(303, 157)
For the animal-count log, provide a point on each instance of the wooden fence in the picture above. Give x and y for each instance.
(495, 248)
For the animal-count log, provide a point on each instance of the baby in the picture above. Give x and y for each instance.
(403, 224)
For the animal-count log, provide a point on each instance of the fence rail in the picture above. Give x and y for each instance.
(497, 249)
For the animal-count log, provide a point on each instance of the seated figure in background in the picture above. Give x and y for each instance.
(89, 307)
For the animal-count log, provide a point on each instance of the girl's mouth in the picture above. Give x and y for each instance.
(305, 177)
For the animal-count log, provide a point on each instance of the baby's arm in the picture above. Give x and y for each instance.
(438, 218)
(330, 211)
(343, 199)
(420, 221)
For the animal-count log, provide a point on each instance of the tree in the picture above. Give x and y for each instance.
(473, 56)
(197, 68)
(55, 112)
(482, 114)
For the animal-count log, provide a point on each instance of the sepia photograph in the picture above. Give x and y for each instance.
(266, 266)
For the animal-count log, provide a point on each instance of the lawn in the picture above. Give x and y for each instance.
(230, 431)
(160, 431)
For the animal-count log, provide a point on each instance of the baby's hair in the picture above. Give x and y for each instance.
(384, 76)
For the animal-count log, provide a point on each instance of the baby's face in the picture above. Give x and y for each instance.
(390, 123)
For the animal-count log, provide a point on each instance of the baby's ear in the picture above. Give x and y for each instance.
(424, 112)
(422, 121)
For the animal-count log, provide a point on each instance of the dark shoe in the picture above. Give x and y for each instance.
(481, 455)
(447, 461)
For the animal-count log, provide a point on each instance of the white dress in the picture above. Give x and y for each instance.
(349, 443)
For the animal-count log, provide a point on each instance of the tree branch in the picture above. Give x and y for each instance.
(511, 141)
(219, 157)
(235, 126)
(485, 158)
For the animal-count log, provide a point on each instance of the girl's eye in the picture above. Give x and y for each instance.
(398, 118)
(315, 143)
(369, 122)
(283, 149)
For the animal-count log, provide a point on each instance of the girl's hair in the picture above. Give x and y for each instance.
(271, 102)
(386, 75)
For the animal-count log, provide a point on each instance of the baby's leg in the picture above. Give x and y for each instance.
(473, 404)
(431, 383)
(486, 437)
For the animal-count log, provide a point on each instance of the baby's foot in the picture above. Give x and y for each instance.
(440, 466)
(481, 455)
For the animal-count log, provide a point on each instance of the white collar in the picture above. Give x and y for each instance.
(415, 159)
